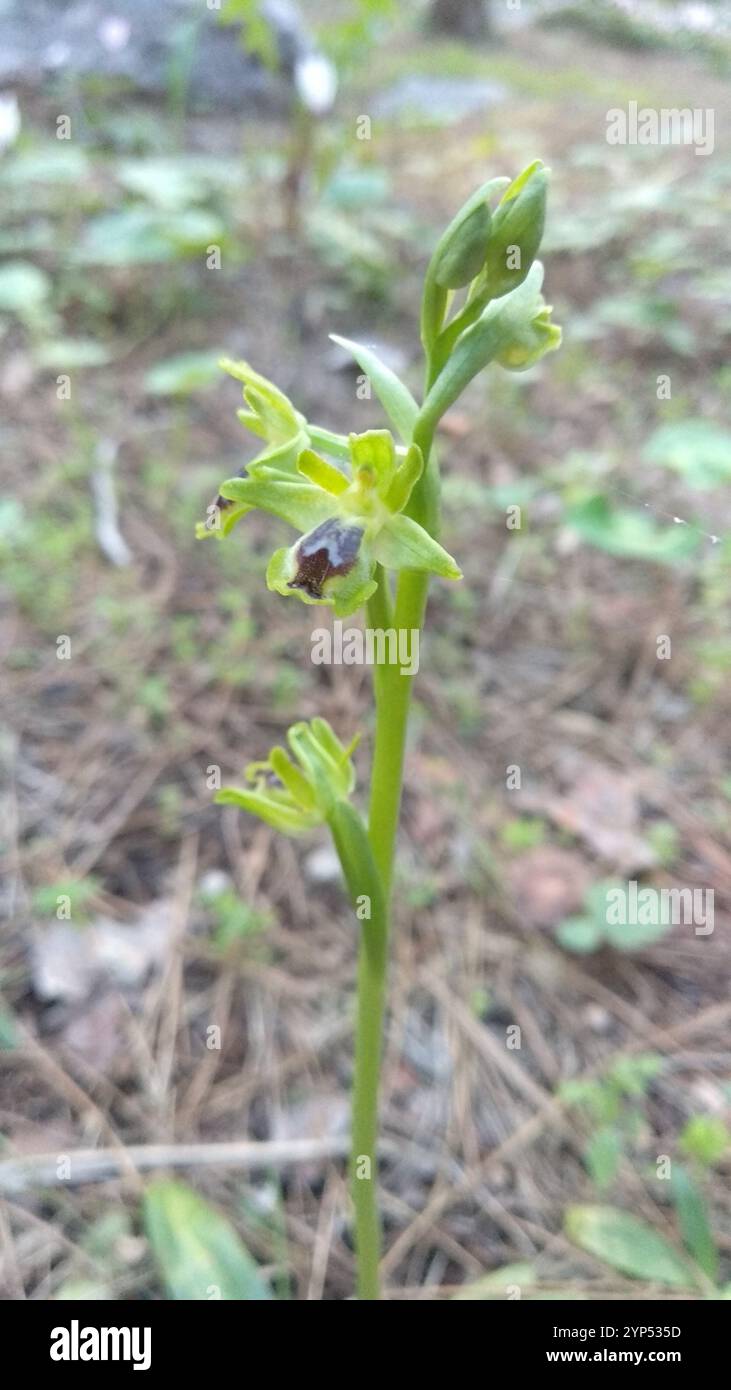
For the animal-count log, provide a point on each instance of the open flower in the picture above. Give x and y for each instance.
(295, 796)
(271, 416)
(348, 521)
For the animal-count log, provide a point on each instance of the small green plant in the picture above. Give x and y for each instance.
(366, 510)
(233, 921)
(613, 1106)
(600, 925)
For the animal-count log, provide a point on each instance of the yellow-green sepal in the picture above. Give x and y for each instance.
(402, 543)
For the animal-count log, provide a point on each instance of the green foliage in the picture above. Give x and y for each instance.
(81, 893)
(199, 1254)
(698, 450)
(619, 1240)
(523, 833)
(234, 921)
(612, 1106)
(183, 374)
(629, 533)
(705, 1138)
(24, 291)
(693, 1221)
(594, 929)
(145, 236)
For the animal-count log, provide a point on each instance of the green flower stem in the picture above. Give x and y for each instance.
(362, 877)
(393, 699)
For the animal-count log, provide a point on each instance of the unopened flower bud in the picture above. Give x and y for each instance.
(463, 257)
(517, 228)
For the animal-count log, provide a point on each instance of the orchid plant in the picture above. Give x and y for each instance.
(366, 510)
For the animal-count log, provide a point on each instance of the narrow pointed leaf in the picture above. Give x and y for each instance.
(356, 857)
(693, 1220)
(626, 1244)
(396, 399)
(199, 1253)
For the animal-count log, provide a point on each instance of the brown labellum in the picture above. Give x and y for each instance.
(328, 551)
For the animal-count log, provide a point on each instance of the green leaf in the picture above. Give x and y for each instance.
(632, 1074)
(628, 1245)
(496, 1284)
(69, 354)
(705, 1138)
(396, 399)
(633, 936)
(697, 449)
(580, 934)
(24, 288)
(403, 544)
(353, 847)
(693, 1221)
(629, 533)
(602, 1156)
(165, 182)
(198, 1251)
(144, 236)
(183, 373)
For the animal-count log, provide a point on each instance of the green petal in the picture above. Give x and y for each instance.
(322, 473)
(324, 759)
(282, 457)
(301, 504)
(374, 452)
(352, 595)
(277, 415)
(282, 817)
(292, 778)
(263, 396)
(335, 444)
(403, 544)
(407, 475)
(226, 520)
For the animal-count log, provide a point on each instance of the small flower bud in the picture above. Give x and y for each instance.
(517, 228)
(464, 254)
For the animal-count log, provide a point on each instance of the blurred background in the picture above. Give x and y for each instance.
(182, 181)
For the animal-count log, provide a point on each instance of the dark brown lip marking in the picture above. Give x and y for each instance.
(221, 504)
(330, 550)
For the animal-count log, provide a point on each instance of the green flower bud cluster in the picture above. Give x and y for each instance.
(295, 794)
(490, 254)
